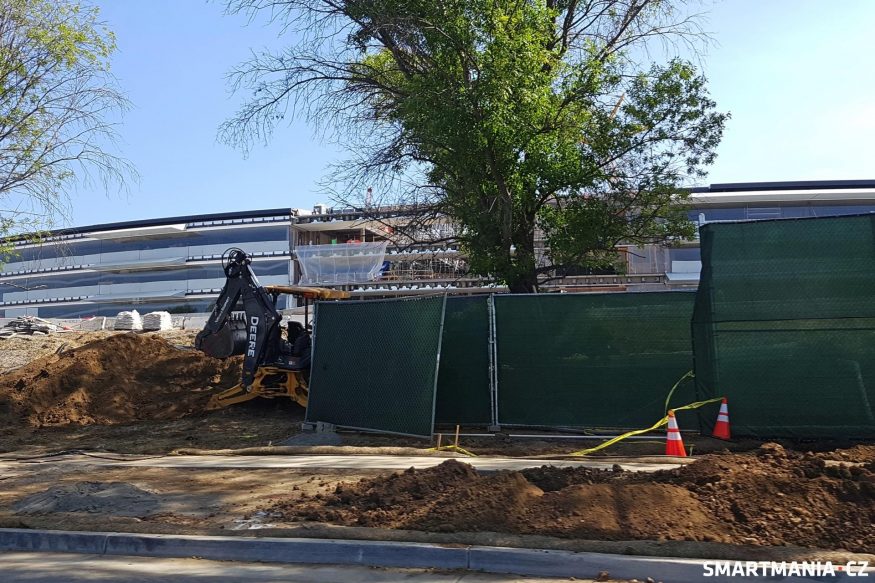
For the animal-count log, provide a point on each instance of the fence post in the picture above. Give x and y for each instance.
(493, 363)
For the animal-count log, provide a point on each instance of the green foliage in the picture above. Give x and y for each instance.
(57, 98)
(517, 119)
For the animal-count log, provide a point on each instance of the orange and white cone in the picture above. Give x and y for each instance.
(674, 445)
(721, 428)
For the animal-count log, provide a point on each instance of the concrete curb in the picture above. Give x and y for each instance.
(532, 562)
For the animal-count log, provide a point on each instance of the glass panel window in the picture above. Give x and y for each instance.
(239, 237)
(685, 254)
(794, 212)
(760, 213)
(834, 211)
(724, 214)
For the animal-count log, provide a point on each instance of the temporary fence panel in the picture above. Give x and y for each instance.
(591, 360)
(463, 393)
(375, 364)
(784, 325)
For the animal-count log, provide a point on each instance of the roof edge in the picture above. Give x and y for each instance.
(159, 222)
(785, 185)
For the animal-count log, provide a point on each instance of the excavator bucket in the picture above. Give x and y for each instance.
(270, 382)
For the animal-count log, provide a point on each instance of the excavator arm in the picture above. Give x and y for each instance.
(271, 368)
(256, 337)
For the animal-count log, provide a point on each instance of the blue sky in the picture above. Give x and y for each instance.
(796, 75)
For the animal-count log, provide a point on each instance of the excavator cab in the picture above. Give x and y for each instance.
(273, 366)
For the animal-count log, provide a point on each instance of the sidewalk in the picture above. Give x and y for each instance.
(19, 567)
(333, 462)
(541, 563)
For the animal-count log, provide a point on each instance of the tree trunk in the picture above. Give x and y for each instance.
(522, 285)
(524, 279)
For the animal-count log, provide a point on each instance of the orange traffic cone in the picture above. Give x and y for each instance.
(674, 445)
(721, 428)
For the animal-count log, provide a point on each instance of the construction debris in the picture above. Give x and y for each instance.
(28, 325)
(128, 321)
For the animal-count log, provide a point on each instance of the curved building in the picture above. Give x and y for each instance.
(174, 263)
(171, 264)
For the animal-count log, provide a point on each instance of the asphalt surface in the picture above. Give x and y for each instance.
(324, 462)
(63, 568)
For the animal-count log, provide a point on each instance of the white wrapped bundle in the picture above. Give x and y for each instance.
(157, 321)
(128, 321)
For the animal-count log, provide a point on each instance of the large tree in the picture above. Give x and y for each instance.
(58, 106)
(519, 119)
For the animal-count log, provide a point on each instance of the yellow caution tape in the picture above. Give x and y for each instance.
(697, 404)
(654, 427)
(454, 448)
(688, 375)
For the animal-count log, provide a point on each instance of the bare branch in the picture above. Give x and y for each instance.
(57, 100)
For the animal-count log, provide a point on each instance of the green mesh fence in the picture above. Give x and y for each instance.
(784, 325)
(594, 360)
(463, 395)
(375, 364)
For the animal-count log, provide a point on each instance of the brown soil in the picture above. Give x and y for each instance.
(82, 497)
(256, 423)
(116, 379)
(17, 351)
(773, 496)
(857, 454)
(47, 494)
(767, 497)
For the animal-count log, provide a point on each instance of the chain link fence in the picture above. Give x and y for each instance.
(375, 364)
(591, 360)
(784, 325)
(463, 394)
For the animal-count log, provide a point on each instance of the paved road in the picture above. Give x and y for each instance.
(360, 462)
(70, 568)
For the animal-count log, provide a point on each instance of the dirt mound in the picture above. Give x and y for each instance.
(453, 497)
(774, 495)
(118, 498)
(858, 453)
(118, 379)
(552, 479)
(767, 497)
(17, 351)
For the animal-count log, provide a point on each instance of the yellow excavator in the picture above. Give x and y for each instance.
(272, 366)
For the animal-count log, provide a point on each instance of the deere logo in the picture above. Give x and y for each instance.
(253, 335)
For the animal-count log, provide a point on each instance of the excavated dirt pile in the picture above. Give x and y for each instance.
(767, 497)
(118, 379)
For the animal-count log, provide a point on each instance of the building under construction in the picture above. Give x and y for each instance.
(175, 263)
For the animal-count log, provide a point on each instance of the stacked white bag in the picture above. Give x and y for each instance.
(128, 321)
(157, 321)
